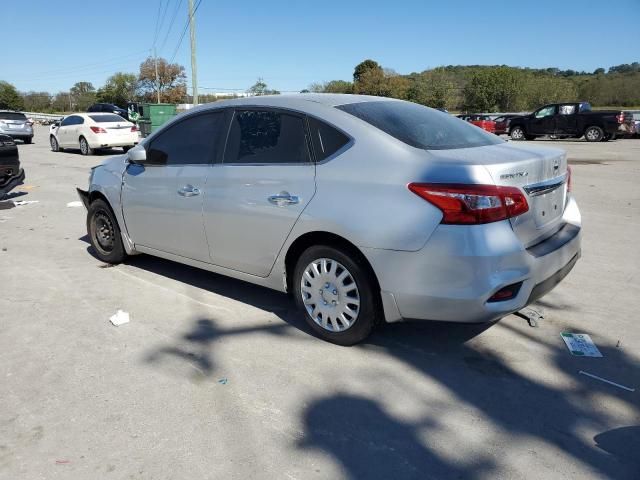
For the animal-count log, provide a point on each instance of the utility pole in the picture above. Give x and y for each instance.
(194, 68)
(157, 79)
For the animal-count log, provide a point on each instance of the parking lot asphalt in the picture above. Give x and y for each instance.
(215, 378)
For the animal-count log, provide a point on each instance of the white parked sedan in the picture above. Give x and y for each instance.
(93, 131)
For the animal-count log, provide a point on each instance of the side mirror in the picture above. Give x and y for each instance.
(137, 154)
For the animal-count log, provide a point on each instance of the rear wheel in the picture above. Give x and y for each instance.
(85, 149)
(593, 134)
(104, 232)
(336, 294)
(517, 133)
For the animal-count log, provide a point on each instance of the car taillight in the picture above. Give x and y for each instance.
(472, 204)
(98, 130)
(134, 129)
(568, 178)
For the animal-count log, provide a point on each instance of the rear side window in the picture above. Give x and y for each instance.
(326, 139)
(106, 118)
(419, 126)
(266, 137)
(191, 141)
(12, 116)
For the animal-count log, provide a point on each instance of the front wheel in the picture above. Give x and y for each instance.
(104, 232)
(517, 133)
(336, 294)
(85, 149)
(55, 147)
(593, 134)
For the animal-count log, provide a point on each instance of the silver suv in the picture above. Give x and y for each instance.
(16, 125)
(366, 209)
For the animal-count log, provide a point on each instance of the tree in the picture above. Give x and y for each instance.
(10, 99)
(37, 101)
(83, 95)
(599, 71)
(363, 67)
(260, 88)
(372, 82)
(119, 89)
(171, 81)
(61, 102)
(338, 86)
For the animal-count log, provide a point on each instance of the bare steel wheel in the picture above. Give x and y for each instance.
(104, 233)
(337, 292)
(330, 294)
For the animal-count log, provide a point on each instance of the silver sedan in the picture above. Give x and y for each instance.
(366, 209)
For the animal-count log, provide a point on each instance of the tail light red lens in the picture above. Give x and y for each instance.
(134, 129)
(472, 204)
(97, 129)
(568, 178)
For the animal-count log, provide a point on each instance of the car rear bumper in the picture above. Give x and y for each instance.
(107, 141)
(19, 134)
(460, 268)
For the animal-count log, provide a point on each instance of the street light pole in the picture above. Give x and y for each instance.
(194, 68)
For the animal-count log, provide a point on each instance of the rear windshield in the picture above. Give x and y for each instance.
(107, 118)
(419, 126)
(12, 116)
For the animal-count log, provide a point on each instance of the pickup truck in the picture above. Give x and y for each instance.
(571, 119)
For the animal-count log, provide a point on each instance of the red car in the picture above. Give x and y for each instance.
(482, 121)
(502, 124)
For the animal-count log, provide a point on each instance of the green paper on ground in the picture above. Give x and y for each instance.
(580, 344)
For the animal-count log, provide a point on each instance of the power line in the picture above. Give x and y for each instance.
(173, 19)
(164, 14)
(186, 25)
(155, 35)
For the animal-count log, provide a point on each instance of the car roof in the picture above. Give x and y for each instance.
(297, 100)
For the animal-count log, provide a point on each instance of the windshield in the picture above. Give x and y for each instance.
(107, 118)
(419, 126)
(12, 116)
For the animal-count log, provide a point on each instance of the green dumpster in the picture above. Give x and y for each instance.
(157, 114)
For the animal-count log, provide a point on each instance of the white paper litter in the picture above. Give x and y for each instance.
(20, 203)
(77, 203)
(580, 344)
(120, 318)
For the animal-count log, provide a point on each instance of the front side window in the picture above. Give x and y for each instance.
(266, 137)
(546, 112)
(192, 141)
(66, 121)
(420, 126)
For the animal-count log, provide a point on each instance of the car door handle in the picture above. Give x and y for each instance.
(283, 199)
(189, 191)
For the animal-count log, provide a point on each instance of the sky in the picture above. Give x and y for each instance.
(293, 44)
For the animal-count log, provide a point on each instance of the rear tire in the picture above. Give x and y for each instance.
(104, 232)
(336, 294)
(593, 134)
(517, 133)
(85, 149)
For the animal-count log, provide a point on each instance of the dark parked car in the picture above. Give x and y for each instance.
(11, 175)
(108, 108)
(502, 123)
(572, 119)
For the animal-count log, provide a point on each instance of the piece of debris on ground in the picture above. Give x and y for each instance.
(20, 203)
(580, 344)
(120, 318)
(76, 204)
(581, 372)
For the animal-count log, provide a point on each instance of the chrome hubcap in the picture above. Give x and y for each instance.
(330, 294)
(83, 146)
(592, 134)
(517, 133)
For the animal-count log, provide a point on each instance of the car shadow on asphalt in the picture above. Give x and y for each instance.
(366, 441)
